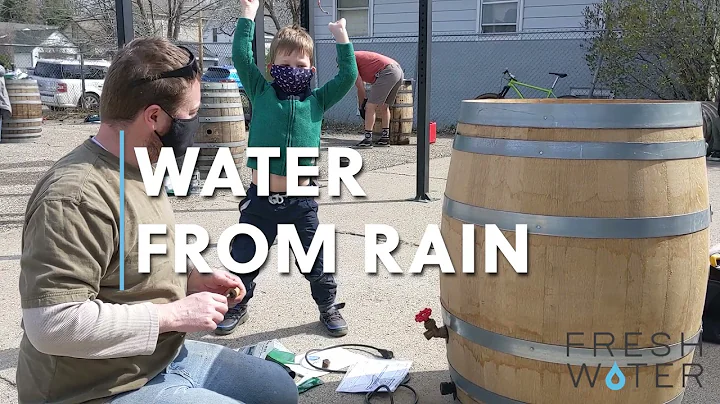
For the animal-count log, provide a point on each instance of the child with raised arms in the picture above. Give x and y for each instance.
(287, 112)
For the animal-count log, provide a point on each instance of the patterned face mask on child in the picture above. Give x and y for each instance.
(292, 80)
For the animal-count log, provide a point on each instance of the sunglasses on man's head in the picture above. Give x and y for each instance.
(190, 70)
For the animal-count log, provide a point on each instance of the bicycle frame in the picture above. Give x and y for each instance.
(514, 83)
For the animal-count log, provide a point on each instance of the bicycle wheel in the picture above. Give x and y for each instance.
(488, 96)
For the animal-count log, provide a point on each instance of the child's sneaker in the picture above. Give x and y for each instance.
(334, 321)
(234, 317)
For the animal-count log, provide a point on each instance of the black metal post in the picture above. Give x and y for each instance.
(423, 87)
(307, 21)
(259, 42)
(124, 21)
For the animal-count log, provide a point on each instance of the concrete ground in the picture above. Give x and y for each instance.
(380, 308)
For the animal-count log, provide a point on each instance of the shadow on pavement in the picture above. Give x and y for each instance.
(233, 341)
(425, 384)
(9, 358)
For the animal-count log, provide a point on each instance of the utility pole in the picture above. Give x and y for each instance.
(200, 41)
(124, 20)
(423, 87)
(259, 42)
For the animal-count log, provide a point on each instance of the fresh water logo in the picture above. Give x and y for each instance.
(615, 372)
(585, 363)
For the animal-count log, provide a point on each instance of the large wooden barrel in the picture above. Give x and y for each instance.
(25, 125)
(614, 194)
(222, 124)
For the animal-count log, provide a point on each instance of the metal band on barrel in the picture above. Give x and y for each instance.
(559, 353)
(221, 95)
(615, 115)
(479, 393)
(225, 105)
(24, 129)
(28, 120)
(219, 145)
(580, 150)
(219, 86)
(581, 227)
(236, 118)
(26, 102)
(486, 396)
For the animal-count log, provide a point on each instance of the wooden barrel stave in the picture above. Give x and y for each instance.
(575, 284)
(25, 125)
(221, 125)
(401, 115)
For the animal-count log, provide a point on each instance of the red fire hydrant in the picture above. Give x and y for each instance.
(432, 329)
(432, 132)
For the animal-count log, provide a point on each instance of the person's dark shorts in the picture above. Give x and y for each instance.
(386, 85)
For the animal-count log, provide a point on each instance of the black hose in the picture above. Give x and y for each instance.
(384, 353)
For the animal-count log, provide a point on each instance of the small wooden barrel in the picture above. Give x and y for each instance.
(25, 125)
(222, 124)
(401, 115)
(614, 194)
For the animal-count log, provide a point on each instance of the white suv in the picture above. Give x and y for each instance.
(60, 82)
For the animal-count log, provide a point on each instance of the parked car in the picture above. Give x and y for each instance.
(60, 82)
(228, 74)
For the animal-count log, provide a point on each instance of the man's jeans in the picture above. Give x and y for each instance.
(265, 213)
(210, 373)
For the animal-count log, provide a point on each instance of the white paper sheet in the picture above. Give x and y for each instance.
(366, 376)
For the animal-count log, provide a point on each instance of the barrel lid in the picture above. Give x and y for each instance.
(582, 113)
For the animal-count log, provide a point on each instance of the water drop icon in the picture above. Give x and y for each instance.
(615, 372)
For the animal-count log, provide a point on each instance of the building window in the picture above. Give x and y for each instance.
(357, 15)
(214, 35)
(499, 16)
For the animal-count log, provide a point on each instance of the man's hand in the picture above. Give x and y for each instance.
(249, 8)
(199, 312)
(337, 28)
(362, 109)
(216, 282)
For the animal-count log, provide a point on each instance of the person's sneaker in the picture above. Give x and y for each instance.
(334, 321)
(234, 317)
(365, 143)
(383, 141)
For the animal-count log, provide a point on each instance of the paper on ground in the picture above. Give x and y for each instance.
(368, 375)
(261, 349)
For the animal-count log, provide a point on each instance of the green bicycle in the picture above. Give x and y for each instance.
(513, 83)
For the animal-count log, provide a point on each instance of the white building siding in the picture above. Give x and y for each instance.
(554, 14)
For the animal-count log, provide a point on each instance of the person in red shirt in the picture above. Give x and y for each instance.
(386, 76)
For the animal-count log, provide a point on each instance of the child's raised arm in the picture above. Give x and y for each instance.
(334, 90)
(242, 55)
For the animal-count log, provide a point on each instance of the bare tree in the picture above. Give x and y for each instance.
(280, 12)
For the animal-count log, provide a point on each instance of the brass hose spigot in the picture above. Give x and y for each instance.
(430, 325)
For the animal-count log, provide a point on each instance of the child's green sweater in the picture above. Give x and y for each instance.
(285, 121)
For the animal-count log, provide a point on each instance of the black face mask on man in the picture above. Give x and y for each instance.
(182, 131)
(181, 134)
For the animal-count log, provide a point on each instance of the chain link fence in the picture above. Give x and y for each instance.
(68, 79)
(466, 66)
(463, 67)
